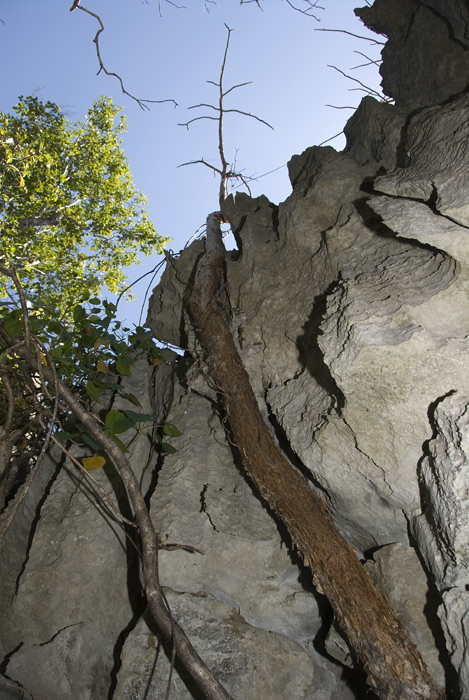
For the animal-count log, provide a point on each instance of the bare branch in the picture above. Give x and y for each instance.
(202, 162)
(53, 220)
(371, 61)
(207, 3)
(330, 139)
(364, 87)
(225, 111)
(170, 2)
(248, 2)
(357, 36)
(234, 87)
(308, 10)
(197, 119)
(226, 172)
(143, 104)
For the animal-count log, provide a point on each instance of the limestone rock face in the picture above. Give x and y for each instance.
(425, 59)
(350, 312)
(442, 530)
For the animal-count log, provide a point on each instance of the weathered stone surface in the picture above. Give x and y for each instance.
(70, 594)
(425, 60)
(374, 132)
(442, 530)
(436, 161)
(251, 663)
(202, 500)
(350, 311)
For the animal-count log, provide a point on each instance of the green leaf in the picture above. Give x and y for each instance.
(90, 441)
(13, 326)
(169, 449)
(171, 430)
(92, 391)
(78, 168)
(139, 417)
(54, 327)
(63, 435)
(79, 313)
(133, 399)
(119, 443)
(117, 422)
(122, 367)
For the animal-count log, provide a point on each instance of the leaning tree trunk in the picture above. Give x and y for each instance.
(394, 667)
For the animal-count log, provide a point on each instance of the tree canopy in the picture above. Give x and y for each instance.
(71, 216)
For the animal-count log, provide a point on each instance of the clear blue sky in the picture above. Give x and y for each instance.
(48, 51)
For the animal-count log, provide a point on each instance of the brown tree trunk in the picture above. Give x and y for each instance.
(394, 667)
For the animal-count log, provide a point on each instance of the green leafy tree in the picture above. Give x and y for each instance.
(70, 214)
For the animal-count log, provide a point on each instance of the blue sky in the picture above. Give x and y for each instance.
(49, 51)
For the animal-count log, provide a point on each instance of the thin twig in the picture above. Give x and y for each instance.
(357, 36)
(225, 172)
(365, 88)
(371, 61)
(308, 11)
(143, 104)
(330, 139)
(111, 508)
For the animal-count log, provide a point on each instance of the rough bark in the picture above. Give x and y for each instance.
(394, 667)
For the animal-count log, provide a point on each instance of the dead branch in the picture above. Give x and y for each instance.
(170, 2)
(226, 172)
(143, 104)
(393, 665)
(363, 88)
(248, 2)
(308, 10)
(371, 61)
(357, 36)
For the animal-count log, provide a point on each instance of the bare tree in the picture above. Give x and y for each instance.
(225, 171)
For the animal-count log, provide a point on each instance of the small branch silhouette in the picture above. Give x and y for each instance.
(371, 61)
(225, 171)
(363, 88)
(357, 36)
(143, 104)
(307, 8)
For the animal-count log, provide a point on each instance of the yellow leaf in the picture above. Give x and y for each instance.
(21, 181)
(156, 361)
(101, 366)
(95, 462)
(44, 359)
(100, 341)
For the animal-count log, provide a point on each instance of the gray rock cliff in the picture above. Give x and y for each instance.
(350, 312)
